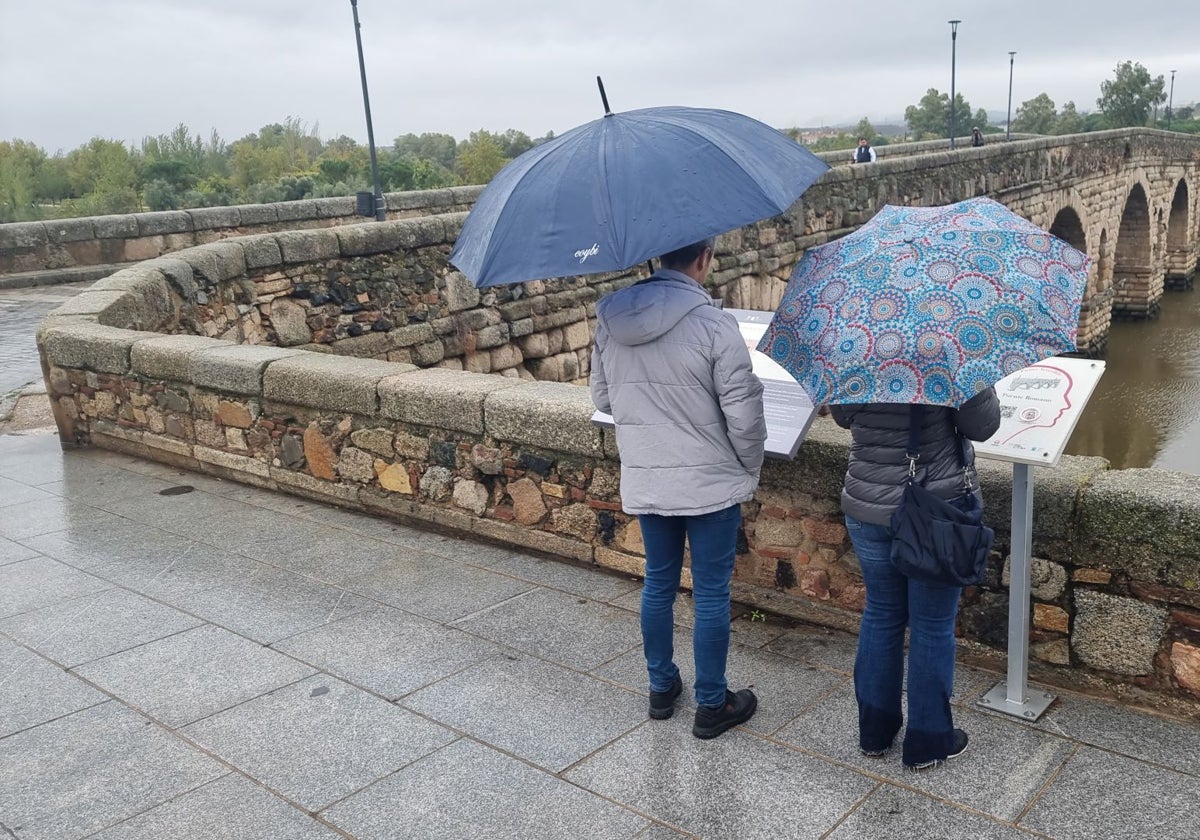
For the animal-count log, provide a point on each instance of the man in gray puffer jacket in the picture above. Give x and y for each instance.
(874, 485)
(674, 372)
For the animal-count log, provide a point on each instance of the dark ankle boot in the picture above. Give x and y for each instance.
(737, 709)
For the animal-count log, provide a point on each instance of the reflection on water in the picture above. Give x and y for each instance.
(1146, 410)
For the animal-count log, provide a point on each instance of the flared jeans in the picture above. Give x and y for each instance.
(928, 611)
(713, 541)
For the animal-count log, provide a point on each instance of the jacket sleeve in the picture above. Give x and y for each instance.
(843, 415)
(739, 393)
(979, 417)
(597, 382)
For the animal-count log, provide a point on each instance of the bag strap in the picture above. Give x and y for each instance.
(913, 451)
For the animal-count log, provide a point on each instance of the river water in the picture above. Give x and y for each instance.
(1146, 410)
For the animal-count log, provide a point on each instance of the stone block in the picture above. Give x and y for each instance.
(307, 246)
(261, 251)
(70, 230)
(549, 415)
(422, 231)
(88, 346)
(437, 483)
(779, 532)
(460, 293)
(356, 465)
(1185, 666)
(439, 397)
(235, 369)
(1145, 522)
(393, 477)
(333, 383)
(529, 507)
(527, 539)
(376, 440)
(371, 238)
(167, 357)
(216, 262)
(163, 221)
(291, 211)
(231, 462)
(336, 207)
(290, 322)
(258, 214)
(303, 484)
(1117, 634)
(411, 334)
(577, 520)
(470, 495)
(178, 275)
(215, 218)
(1048, 580)
(119, 226)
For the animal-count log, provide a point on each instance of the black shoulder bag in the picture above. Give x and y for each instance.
(939, 540)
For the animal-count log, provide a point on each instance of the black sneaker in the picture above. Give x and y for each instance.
(662, 703)
(958, 747)
(738, 709)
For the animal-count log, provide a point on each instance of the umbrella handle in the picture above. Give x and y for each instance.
(603, 96)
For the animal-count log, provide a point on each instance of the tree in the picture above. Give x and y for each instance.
(865, 129)
(439, 148)
(19, 163)
(1036, 116)
(1130, 97)
(480, 157)
(1070, 121)
(931, 116)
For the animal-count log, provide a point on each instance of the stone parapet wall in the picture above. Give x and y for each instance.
(1116, 582)
(112, 240)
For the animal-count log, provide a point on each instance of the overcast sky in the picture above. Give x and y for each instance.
(123, 69)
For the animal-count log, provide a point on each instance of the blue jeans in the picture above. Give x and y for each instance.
(928, 610)
(713, 540)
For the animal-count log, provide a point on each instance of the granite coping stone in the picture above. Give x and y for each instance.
(237, 368)
(207, 218)
(258, 214)
(167, 357)
(365, 239)
(89, 346)
(438, 397)
(548, 415)
(216, 262)
(20, 236)
(116, 226)
(334, 383)
(163, 221)
(262, 251)
(307, 246)
(71, 230)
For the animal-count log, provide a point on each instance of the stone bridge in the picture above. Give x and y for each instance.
(1128, 198)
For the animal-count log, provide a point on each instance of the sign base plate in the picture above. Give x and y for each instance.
(1036, 702)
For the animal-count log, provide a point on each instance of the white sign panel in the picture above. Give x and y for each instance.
(788, 410)
(1039, 407)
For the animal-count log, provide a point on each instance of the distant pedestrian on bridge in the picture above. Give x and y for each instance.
(864, 153)
(976, 137)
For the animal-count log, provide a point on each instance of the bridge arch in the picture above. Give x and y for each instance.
(1133, 261)
(1181, 253)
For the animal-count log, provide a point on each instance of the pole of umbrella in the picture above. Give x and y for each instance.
(380, 208)
(953, 45)
(1008, 120)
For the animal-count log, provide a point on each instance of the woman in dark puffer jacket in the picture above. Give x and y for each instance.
(874, 484)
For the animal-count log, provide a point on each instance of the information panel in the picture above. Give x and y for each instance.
(786, 406)
(1039, 407)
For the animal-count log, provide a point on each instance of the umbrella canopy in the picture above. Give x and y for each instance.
(927, 305)
(627, 187)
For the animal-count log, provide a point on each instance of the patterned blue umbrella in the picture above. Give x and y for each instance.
(927, 305)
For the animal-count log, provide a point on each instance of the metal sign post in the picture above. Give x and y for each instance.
(1039, 407)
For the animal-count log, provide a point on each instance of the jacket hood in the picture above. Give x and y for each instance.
(645, 311)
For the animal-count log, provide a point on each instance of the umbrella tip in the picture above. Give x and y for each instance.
(603, 96)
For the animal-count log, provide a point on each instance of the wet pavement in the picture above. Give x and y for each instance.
(184, 657)
(21, 310)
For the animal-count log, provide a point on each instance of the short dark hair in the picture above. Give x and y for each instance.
(685, 256)
(860, 139)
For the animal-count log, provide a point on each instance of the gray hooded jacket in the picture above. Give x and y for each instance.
(878, 466)
(674, 372)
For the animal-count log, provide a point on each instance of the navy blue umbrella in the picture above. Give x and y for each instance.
(628, 187)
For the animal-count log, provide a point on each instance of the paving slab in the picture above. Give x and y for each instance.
(1102, 794)
(322, 553)
(175, 574)
(29, 585)
(893, 813)
(1001, 772)
(555, 574)
(12, 552)
(745, 625)
(318, 740)
(733, 786)
(435, 587)
(231, 808)
(388, 651)
(269, 604)
(563, 628)
(33, 691)
(114, 539)
(96, 625)
(539, 711)
(77, 774)
(193, 674)
(827, 648)
(41, 516)
(16, 492)
(467, 790)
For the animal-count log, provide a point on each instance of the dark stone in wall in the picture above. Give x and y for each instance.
(536, 463)
(444, 453)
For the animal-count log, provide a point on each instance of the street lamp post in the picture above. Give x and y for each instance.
(380, 208)
(1008, 121)
(1171, 101)
(953, 42)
